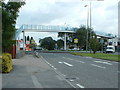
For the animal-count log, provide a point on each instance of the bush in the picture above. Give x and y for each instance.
(6, 62)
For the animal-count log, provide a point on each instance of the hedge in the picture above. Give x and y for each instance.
(6, 62)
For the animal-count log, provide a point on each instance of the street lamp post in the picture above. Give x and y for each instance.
(90, 24)
(87, 28)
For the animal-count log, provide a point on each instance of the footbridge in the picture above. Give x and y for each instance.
(50, 28)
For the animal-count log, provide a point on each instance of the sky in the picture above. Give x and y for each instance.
(104, 15)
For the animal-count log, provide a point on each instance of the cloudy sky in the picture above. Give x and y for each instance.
(72, 12)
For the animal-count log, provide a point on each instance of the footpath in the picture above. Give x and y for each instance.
(32, 72)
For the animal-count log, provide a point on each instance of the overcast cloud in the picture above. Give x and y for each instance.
(71, 12)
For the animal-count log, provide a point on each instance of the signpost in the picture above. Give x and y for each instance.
(76, 40)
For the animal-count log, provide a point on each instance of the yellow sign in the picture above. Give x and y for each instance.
(75, 40)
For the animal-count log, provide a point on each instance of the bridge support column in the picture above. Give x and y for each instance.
(65, 41)
(24, 40)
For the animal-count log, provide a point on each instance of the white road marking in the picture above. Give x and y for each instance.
(80, 86)
(103, 62)
(50, 65)
(54, 68)
(69, 58)
(60, 74)
(71, 80)
(98, 66)
(60, 62)
(68, 64)
(63, 57)
(76, 60)
(81, 62)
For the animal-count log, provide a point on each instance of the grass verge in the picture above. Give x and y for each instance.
(100, 56)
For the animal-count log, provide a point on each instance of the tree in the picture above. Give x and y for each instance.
(31, 38)
(81, 36)
(48, 43)
(10, 12)
(28, 38)
(60, 43)
(94, 43)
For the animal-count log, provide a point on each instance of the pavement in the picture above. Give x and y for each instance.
(32, 72)
(84, 72)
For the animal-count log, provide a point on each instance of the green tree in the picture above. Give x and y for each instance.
(48, 43)
(10, 12)
(31, 38)
(94, 43)
(81, 36)
(28, 38)
(60, 43)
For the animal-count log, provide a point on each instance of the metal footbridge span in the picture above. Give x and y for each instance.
(50, 28)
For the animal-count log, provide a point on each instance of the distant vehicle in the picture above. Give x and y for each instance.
(75, 49)
(37, 48)
(110, 49)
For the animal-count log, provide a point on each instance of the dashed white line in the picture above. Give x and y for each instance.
(63, 57)
(98, 66)
(80, 86)
(69, 58)
(61, 75)
(68, 64)
(81, 62)
(54, 68)
(71, 80)
(50, 65)
(76, 60)
(60, 62)
(103, 62)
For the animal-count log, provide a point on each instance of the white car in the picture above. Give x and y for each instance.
(110, 49)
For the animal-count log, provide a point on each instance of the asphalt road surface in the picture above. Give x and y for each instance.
(84, 72)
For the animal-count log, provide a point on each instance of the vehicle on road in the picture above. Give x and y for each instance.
(110, 49)
(37, 48)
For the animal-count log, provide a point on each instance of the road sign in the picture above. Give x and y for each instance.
(75, 40)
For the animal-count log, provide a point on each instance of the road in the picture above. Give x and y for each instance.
(83, 72)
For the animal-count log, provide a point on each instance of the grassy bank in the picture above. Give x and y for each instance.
(100, 56)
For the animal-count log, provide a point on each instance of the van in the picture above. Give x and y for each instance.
(110, 49)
